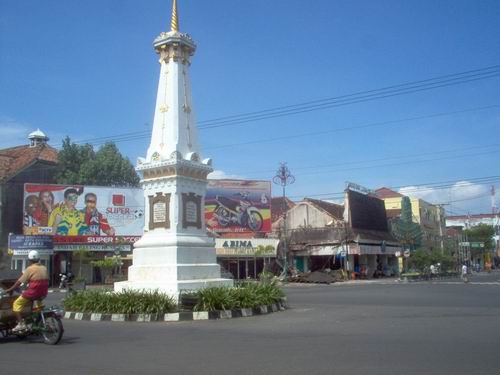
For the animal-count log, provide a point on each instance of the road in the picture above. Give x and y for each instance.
(443, 327)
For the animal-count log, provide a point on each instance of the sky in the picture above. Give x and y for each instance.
(87, 69)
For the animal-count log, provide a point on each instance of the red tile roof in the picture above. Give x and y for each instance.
(334, 210)
(14, 159)
(278, 207)
(384, 192)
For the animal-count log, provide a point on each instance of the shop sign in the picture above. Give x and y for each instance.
(477, 245)
(92, 247)
(261, 247)
(41, 252)
(101, 240)
(21, 242)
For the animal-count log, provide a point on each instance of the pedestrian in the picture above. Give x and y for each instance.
(465, 278)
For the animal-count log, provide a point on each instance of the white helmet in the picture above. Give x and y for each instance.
(33, 255)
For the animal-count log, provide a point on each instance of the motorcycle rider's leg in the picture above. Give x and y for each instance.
(17, 307)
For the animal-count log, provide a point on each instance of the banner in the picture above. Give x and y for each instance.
(75, 210)
(238, 206)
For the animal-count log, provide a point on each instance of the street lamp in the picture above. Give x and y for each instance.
(284, 178)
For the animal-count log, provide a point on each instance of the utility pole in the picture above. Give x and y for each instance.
(440, 218)
(284, 178)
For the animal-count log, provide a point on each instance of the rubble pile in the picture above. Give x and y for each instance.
(318, 277)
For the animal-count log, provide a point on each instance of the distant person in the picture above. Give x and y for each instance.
(94, 220)
(433, 270)
(464, 273)
(66, 220)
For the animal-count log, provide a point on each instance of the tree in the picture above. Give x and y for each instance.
(408, 233)
(481, 233)
(80, 164)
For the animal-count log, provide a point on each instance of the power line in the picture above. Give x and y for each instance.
(419, 187)
(362, 96)
(356, 127)
(386, 158)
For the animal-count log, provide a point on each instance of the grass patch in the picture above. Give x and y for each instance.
(126, 302)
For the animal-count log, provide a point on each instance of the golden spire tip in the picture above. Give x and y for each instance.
(174, 24)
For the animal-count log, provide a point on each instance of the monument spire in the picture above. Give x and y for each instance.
(174, 23)
(175, 252)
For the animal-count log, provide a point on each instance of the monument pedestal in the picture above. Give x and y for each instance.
(172, 264)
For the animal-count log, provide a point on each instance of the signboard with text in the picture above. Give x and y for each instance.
(76, 210)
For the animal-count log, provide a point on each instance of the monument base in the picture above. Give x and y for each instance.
(172, 265)
(172, 289)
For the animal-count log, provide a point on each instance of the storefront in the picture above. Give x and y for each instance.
(19, 247)
(245, 258)
(76, 255)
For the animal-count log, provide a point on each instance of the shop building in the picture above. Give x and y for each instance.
(353, 236)
(245, 258)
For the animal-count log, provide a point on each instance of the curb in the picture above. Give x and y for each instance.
(179, 316)
(413, 280)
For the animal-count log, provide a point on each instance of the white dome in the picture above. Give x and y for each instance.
(37, 134)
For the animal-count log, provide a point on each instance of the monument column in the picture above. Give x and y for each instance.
(175, 253)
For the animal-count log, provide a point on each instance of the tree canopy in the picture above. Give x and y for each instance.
(404, 229)
(80, 164)
(481, 233)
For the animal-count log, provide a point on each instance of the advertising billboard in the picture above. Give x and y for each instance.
(238, 206)
(75, 210)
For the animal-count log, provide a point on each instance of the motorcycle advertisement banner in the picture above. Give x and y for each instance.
(76, 210)
(238, 206)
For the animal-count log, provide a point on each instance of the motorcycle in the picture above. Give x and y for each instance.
(65, 281)
(241, 212)
(40, 321)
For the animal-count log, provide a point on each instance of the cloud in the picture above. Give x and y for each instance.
(460, 198)
(221, 175)
(12, 133)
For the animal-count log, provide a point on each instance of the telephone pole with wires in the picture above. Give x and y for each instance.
(284, 178)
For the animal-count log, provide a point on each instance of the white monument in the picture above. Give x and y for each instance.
(175, 253)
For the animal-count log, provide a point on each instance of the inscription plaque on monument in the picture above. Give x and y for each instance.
(159, 211)
(191, 210)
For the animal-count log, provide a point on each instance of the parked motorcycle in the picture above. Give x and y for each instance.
(40, 321)
(241, 212)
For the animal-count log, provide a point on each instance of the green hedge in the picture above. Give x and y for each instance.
(127, 302)
(245, 295)
(104, 301)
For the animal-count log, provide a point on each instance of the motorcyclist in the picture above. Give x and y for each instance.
(37, 278)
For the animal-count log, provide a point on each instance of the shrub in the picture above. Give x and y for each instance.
(245, 295)
(126, 302)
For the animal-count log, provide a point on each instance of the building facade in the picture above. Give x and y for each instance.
(430, 217)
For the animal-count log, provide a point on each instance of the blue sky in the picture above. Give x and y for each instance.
(87, 69)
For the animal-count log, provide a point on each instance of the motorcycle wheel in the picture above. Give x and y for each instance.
(52, 331)
(255, 221)
(223, 216)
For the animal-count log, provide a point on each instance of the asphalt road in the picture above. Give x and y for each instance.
(365, 328)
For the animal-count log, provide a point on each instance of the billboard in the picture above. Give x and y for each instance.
(75, 210)
(367, 212)
(238, 206)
